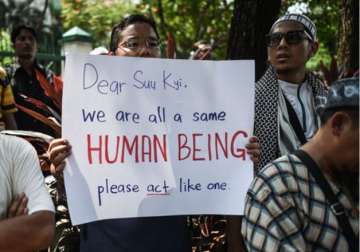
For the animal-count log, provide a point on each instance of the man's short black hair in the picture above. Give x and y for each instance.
(17, 30)
(132, 19)
(353, 113)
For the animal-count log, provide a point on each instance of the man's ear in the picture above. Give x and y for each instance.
(339, 122)
(313, 48)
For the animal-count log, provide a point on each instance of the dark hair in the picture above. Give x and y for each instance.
(17, 30)
(132, 19)
(353, 113)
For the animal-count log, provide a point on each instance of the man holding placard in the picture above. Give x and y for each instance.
(137, 36)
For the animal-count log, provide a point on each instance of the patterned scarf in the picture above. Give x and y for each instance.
(266, 126)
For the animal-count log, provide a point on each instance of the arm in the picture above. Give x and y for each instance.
(18, 206)
(27, 232)
(22, 232)
(271, 222)
(26, 175)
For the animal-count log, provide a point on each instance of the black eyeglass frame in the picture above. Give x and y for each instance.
(152, 44)
(274, 39)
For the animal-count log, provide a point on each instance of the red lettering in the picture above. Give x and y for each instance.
(219, 142)
(91, 149)
(157, 145)
(183, 146)
(148, 143)
(238, 152)
(107, 158)
(209, 146)
(130, 149)
(194, 136)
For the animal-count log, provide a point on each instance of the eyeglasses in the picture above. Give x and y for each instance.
(135, 44)
(291, 37)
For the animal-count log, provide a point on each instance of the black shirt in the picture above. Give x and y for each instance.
(151, 234)
(28, 85)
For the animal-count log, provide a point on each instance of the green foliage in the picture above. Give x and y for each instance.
(323, 55)
(5, 46)
(326, 16)
(95, 16)
(190, 21)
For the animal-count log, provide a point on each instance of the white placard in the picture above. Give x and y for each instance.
(156, 137)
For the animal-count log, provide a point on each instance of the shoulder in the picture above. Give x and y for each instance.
(266, 87)
(279, 178)
(14, 145)
(45, 71)
(11, 70)
(2, 73)
(3, 78)
(268, 77)
(318, 86)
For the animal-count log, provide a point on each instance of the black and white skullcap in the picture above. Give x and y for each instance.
(309, 25)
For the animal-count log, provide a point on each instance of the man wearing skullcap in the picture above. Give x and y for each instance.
(286, 95)
(308, 200)
(285, 98)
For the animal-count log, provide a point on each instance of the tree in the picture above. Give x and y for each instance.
(14, 12)
(337, 23)
(190, 21)
(326, 16)
(251, 21)
(348, 53)
(43, 16)
(95, 16)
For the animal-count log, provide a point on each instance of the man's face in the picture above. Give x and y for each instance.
(351, 154)
(347, 154)
(25, 45)
(203, 52)
(289, 56)
(138, 40)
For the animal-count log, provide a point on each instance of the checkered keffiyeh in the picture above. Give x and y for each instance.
(266, 124)
(285, 210)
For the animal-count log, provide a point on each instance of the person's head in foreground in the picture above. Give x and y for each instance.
(291, 42)
(340, 128)
(136, 36)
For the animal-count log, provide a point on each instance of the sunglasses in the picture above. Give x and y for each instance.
(291, 37)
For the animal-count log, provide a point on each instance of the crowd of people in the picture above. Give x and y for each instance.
(305, 148)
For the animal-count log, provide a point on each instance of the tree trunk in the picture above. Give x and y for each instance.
(251, 21)
(163, 25)
(348, 54)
